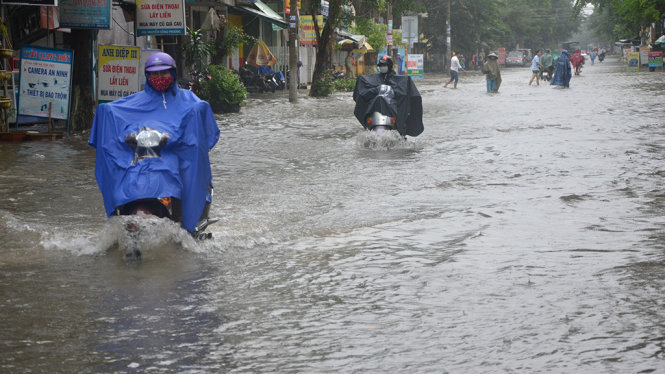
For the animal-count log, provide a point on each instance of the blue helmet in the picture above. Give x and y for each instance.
(160, 61)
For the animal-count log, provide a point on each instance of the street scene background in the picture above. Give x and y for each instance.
(521, 232)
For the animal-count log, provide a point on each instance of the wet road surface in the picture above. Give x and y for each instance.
(521, 232)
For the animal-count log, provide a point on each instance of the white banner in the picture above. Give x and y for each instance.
(160, 17)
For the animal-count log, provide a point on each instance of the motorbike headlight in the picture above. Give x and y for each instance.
(149, 138)
(147, 143)
(386, 91)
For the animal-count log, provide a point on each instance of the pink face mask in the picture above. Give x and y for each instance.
(161, 84)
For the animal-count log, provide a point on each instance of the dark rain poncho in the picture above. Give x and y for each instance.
(182, 170)
(491, 69)
(563, 70)
(406, 105)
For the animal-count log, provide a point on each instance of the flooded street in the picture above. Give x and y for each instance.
(521, 232)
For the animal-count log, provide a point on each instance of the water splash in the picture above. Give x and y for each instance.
(383, 141)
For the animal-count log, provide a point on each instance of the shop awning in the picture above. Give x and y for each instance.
(261, 10)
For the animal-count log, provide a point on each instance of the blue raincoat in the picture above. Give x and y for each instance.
(181, 170)
(563, 70)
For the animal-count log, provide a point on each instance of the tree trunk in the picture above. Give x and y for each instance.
(82, 104)
(323, 46)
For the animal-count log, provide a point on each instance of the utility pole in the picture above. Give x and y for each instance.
(293, 56)
(389, 22)
(447, 57)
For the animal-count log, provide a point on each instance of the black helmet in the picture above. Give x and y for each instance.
(386, 61)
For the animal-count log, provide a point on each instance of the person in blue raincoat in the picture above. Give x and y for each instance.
(563, 71)
(181, 169)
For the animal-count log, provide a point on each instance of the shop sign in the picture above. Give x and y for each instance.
(307, 32)
(85, 14)
(118, 74)
(656, 59)
(633, 61)
(160, 17)
(29, 2)
(45, 82)
(415, 65)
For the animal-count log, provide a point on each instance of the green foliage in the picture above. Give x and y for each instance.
(196, 49)
(344, 85)
(234, 38)
(375, 32)
(488, 24)
(618, 19)
(397, 39)
(223, 90)
(329, 84)
(323, 86)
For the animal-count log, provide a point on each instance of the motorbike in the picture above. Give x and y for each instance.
(338, 74)
(252, 81)
(152, 165)
(196, 82)
(148, 143)
(281, 80)
(388, 102)
(269, 82)
(547, 73)
(255, 81)
(380, 122)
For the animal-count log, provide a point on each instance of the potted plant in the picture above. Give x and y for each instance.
(223, 90)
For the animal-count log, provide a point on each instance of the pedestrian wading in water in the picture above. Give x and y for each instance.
(455, 67)
(535, 68)
(563, 71)
(491, 70)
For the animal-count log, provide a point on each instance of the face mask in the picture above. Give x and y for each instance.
(161, 84)
(383, 69)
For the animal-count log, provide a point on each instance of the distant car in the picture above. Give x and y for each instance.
(528, 56)
(515, 58)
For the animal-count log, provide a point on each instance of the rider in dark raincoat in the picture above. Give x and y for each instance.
(406, 105)
(563, 71)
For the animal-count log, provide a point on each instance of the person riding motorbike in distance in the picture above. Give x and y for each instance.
(153, 146)
(390, 95)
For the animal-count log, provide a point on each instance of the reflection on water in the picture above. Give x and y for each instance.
(521, 232)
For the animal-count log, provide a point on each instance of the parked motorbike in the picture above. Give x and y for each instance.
(281, 80)
(250, 79)
(269, 82)
(255, 82)
(196, 81)
(338, 74)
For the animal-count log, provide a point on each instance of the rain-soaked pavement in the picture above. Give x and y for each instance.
(521, 232)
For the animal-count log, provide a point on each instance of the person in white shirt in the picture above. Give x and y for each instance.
(455, 67)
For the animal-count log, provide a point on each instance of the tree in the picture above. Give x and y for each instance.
(197, 50)
(478, 25)
(323, 42)
(375, 32)
(626, 18)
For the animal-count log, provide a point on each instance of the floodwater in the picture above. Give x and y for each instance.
(521, 232)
